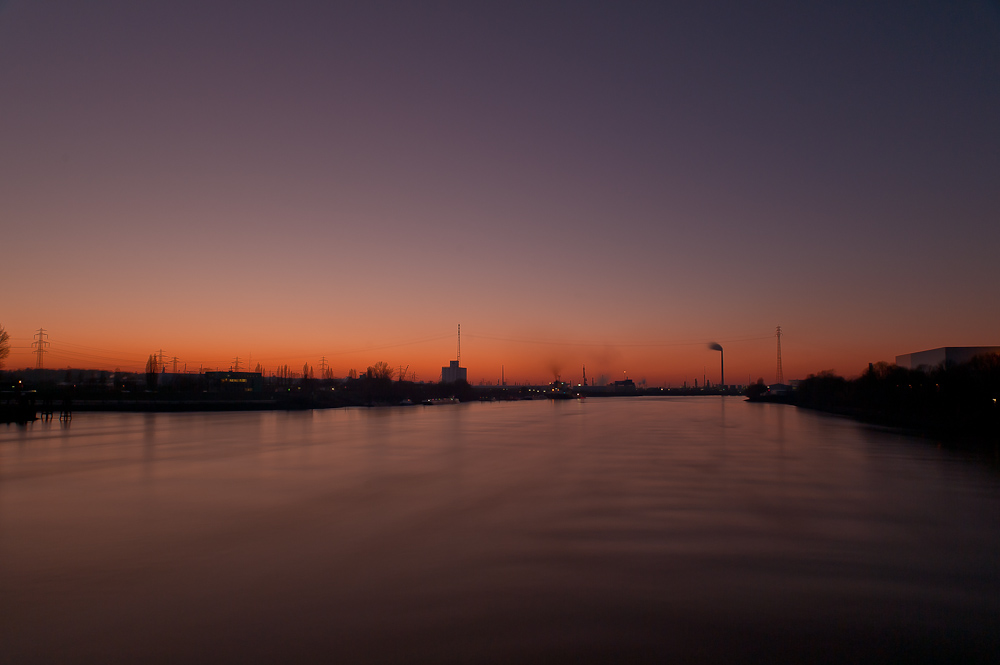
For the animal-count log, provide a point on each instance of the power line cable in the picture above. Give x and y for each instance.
(611, 343)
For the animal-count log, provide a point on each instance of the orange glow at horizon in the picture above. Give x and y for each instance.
(522, 360)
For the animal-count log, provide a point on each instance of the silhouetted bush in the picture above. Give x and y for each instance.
(958, 400)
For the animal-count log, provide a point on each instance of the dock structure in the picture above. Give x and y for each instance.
(66, 410)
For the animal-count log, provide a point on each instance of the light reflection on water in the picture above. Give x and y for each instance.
(643, 529)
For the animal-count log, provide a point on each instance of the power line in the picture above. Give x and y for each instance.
(81, 346)
(612, 343)
(377, 347)
(59, 352)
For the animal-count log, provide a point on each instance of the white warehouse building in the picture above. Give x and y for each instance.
(945, 356)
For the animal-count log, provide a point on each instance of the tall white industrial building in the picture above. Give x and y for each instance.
(453, 373)
(945, 356)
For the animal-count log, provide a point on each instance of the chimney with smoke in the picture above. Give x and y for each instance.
(715, 346)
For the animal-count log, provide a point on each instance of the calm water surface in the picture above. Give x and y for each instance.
(657, 530)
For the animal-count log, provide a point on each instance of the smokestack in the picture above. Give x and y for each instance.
(715, 346)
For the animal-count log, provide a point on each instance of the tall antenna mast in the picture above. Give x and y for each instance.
(779, 376)
(459, 359)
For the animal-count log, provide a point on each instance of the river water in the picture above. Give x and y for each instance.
(605, 530)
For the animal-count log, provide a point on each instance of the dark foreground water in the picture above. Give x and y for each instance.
(614, 530)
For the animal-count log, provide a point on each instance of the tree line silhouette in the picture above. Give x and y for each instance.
(953, 402)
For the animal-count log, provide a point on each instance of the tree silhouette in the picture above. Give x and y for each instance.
(381, 370)
(4, 345)
(151, 372)
(757, 389)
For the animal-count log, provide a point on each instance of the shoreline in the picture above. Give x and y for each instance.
(977, 438)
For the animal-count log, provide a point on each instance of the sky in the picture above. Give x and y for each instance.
(604, 184)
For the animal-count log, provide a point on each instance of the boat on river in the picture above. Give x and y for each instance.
(561, 390)
(440, 400)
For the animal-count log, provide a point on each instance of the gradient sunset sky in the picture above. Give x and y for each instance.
(610, 184)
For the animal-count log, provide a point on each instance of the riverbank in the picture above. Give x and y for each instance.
(17, 413)
(955, 406)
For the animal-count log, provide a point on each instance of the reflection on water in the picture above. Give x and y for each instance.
(614, 529)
